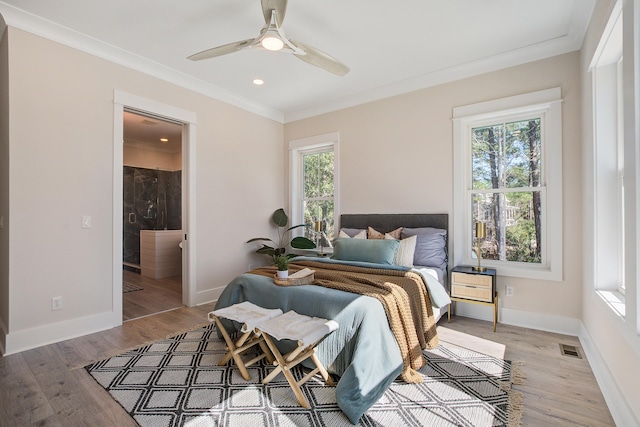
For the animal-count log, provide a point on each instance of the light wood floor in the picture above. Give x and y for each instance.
(156, 295)
(45, 386)
(558, 391)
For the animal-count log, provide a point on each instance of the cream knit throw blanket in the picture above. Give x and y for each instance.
(403, 295)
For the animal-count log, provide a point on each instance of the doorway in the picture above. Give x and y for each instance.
(186, 120)
(152, 215)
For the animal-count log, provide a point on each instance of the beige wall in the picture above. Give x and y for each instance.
(151, 159)
(56, 108)
(62, 124)
(4, 184)
(397, 156)
(615, 339)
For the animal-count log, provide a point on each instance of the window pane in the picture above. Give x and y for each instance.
(513, 225)
(506, 155)
(325, 173)
(318, 174)
(323, 211)
(311, 180)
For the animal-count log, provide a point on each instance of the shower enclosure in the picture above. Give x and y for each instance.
(152, 201)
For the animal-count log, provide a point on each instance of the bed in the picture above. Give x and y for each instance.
(366, 353)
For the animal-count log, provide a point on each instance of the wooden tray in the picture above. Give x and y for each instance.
(294, 282)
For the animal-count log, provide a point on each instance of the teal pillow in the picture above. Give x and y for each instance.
(378, 251)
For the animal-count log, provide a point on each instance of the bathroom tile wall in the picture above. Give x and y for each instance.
(152, 201)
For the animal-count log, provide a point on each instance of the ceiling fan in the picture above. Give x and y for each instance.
(272, 37)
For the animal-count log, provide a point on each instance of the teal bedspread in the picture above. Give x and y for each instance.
(362, 352)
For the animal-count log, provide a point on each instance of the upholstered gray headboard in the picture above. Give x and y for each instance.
(389, 222)
(385, 223)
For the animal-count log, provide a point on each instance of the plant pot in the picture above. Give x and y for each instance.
(282, 274)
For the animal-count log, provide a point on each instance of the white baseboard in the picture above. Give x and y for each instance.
(210, 295)
(56, 332)
(616, 401)
(28, 339)
(525, 319)
(541, 321)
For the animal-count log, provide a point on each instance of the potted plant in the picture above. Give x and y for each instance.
(282, 264)
(278, 251)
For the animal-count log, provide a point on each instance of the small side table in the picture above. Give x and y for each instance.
(475, 287)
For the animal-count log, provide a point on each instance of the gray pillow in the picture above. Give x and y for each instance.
(363, 250)
(431, 246)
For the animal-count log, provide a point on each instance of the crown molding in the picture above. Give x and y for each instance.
(570, 42)
(550, 48)
(25, 21)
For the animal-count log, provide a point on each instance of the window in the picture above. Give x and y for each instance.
(508, 163)
(314, 185)
(317, 189)
(608, 162)
(506, 193)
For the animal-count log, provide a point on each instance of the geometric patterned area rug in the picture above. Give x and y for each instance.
(176, 382)
(129, 287)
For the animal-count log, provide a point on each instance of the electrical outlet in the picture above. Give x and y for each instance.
(56, 303)
(509, 291)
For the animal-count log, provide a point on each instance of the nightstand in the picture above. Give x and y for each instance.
(476, 287)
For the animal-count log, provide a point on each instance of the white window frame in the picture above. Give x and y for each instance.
(620, 153)
(297, 149)
(608, 164)
(546, 104)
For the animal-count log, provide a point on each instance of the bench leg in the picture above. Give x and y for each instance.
(234, 351)
(285, 363)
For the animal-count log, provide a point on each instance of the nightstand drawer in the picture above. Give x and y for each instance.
(471, 292)
(471, 279)
(472, 286)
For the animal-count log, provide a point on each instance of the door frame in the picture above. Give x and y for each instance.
(122, 101)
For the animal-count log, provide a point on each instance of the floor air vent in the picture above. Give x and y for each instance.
(570, 350)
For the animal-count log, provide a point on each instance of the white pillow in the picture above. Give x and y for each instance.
(406, 250)
(360, 235)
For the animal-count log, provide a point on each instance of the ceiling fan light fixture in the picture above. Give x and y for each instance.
(272, 38)
(272, 41)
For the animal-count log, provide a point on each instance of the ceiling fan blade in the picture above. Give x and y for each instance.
(320, 59)
(280, 6)
(221, 50)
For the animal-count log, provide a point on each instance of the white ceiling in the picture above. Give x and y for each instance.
(147, 132)
(391, 47)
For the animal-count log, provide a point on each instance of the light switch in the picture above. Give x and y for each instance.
(1, 221)
(86, 221)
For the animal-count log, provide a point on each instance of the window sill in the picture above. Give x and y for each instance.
(614, 300)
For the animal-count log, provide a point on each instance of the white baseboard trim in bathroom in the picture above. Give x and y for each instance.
(48, 334)
(616, 401)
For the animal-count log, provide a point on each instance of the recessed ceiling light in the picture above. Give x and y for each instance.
(164, 139)
(258, 82)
